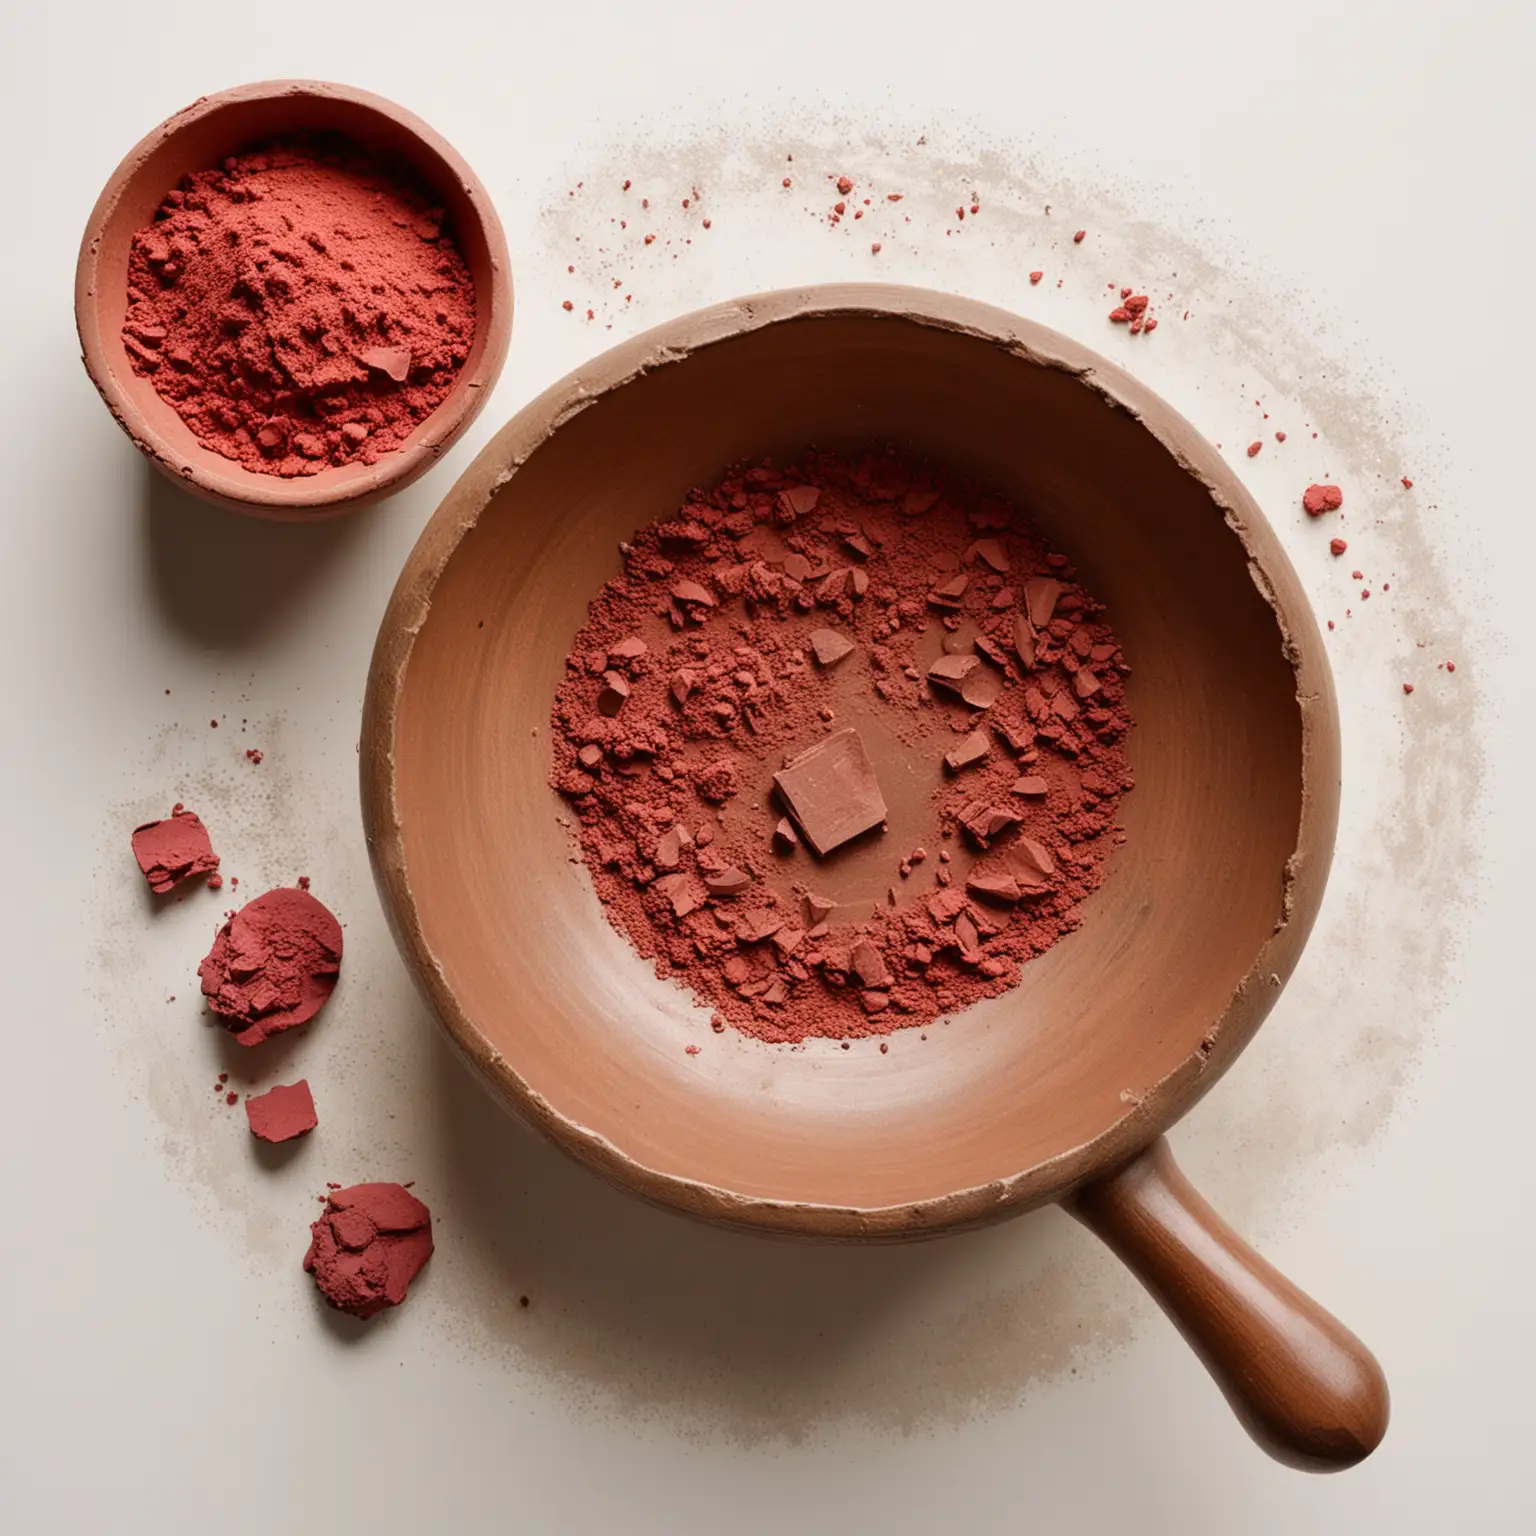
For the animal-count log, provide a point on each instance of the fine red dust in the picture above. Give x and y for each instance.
(846, 745)
(301, 306)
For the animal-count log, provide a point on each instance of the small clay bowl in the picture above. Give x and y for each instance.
(200, 136)
(1058, 1090)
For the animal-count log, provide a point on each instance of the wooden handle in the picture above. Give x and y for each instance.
(1303, 1385)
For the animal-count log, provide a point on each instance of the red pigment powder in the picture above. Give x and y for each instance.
(301, 306)
(368, 1246)
(272, 965)
(282, 1113)
(1318, 499)
(174, 850)
(845, 742)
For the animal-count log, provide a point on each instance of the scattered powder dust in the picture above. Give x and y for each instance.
(301, 306)
(717, 658)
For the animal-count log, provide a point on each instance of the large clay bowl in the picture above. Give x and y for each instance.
(1058, 1090)
(201, 136)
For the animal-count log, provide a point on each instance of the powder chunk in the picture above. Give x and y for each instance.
(273, 965)
(831, 791)
(971, 750)
(1040, 595)
(1318, 499)
(282, 1113)
(368, 1246)
(173, 850)
(951, 671)
(831, 647)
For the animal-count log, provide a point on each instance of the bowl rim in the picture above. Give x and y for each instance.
(273, 496)
(667, 345)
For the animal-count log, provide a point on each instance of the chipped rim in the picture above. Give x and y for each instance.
(1306, 870)
(274, 497)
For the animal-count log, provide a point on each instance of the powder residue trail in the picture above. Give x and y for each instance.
(845, 742)
(630, 224)
(301, 306)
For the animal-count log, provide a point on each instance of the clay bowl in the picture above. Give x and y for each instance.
(200, 136)
(1057, 1091)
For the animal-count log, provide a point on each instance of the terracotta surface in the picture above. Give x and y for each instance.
(200, 136)
(1112, 1034)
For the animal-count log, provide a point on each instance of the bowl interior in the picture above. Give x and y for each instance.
(201, 137)
(558, 998)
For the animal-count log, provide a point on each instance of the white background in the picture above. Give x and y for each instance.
(1355, 180)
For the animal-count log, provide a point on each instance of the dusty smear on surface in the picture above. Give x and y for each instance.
(632, 1309)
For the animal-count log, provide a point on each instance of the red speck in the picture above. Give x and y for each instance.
(1337, 546)
(231, 1098)
(567, 305)
(214, 724)
(1407, 483)
(303, 882)
(215, 881)
(1279, 437)
(223, 1077)
(894, 197)
(844, 185)
(874, 249)
(1253, 449)
(692, 1050)
(786, 181)
(625, 187)
(839, 208)
(570, 269)
(1034, 277)
(1125, 293)
(884, 1048)
(1079, 237)
(706, 224)
(1450, 666)
(589, 315)
(1330, 623)
(1407, 687)
(1120, 315)
(650, 239)
(1365, 592)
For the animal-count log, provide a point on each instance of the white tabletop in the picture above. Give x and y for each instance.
(1338, 196)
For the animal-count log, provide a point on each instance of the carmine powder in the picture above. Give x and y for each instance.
(302, 306)
(786, 608)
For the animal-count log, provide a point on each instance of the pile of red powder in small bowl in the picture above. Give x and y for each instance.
(301, 306)
(846, 745)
